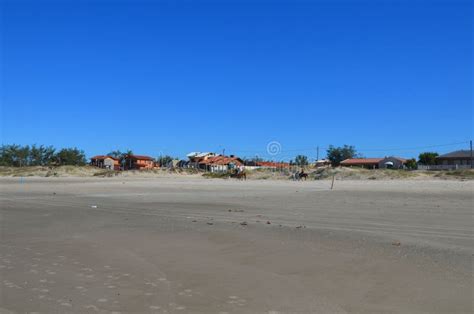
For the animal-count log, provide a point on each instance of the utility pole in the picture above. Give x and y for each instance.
(223, 152)
(317, 154)
(471, 151)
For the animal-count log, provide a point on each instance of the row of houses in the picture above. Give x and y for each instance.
(219, 163)
(131, 162)
(204, 161)
(460, 159)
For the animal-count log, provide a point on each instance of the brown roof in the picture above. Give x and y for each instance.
(361, 161)
(457, 154)
(221, 160)
(104, 157)
(141, 157)
(397, 158)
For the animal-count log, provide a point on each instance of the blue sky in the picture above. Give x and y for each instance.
(170, 77)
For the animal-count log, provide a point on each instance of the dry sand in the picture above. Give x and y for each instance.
(177, 245)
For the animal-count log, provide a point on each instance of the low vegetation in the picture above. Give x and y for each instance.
(340, 173)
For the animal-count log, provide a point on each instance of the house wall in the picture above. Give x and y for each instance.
(367, 166)
(139, 164)
(397, 164)
(109, 163)
(453, 161)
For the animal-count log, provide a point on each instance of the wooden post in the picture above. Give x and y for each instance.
(470, 142)
(332, 184)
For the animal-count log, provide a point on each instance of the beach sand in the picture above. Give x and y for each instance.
(193, 245)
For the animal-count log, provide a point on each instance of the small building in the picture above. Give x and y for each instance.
(220, 163)
(198, 156)
(392, 163)
(138, 162)
(106, 162)
(370, 163)
(456, 159)
(322, 163)
(375, 163)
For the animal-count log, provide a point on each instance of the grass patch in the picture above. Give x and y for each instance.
(216, 175)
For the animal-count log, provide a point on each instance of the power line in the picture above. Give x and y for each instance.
(263, 151)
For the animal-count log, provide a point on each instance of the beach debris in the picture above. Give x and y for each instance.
(396, 243)
(210, 223)
(243, 223)
(268, 222)
(236, 210)
(194, 220)
(300, 226)
(93, 206)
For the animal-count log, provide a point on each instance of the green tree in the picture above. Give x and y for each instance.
(428, 158)
(164, 161)
(411, 163)
(41, 155)
(8, 155)
(22, 156)
(121, 156)
(115, 153)
(14, 155)
(48, 156)
(338, 154)
(71, 156)
(301, 160)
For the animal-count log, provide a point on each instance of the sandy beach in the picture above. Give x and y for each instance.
(194, 245)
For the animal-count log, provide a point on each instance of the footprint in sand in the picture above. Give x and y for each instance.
(236, 300)
(91, 307)
(187, 293)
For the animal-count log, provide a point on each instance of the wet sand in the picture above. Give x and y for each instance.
(191, 245)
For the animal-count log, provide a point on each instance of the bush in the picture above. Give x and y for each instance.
(338, 154)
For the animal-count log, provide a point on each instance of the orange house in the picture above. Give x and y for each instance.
(139, 162)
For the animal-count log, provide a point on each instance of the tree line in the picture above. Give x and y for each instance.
(34, 155)
(20, 156)
(337, 154)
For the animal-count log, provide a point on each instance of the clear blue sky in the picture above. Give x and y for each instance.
(170, 77)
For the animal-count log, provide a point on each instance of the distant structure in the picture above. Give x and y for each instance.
(322, 163)
(456, 159)
(375, 163)
(213, 163)
(221, 163)
(198, 156)
(138, 162)
(106, 162)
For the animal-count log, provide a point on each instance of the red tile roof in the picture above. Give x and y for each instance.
(361, 161)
